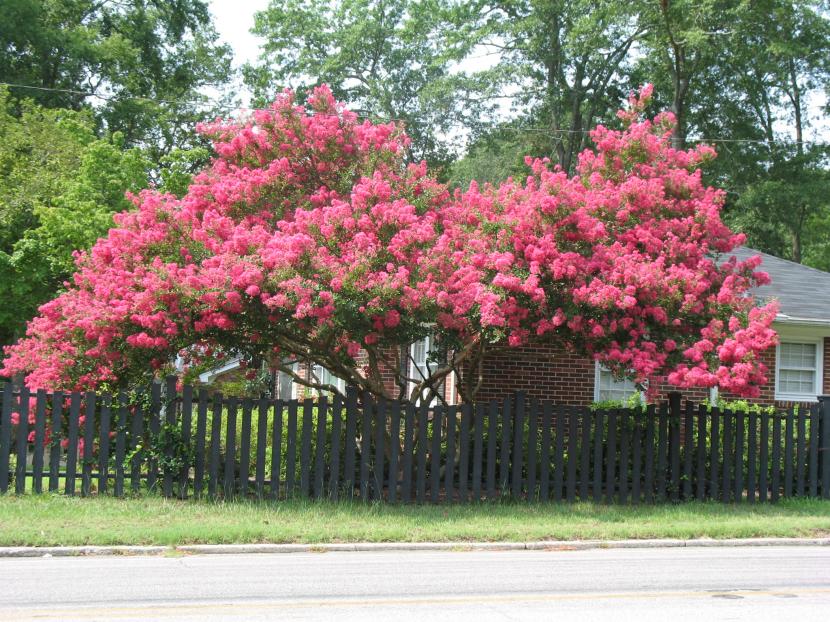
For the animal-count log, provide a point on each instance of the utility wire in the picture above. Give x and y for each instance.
(368, 116)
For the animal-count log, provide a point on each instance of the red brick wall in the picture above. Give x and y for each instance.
(550, 372)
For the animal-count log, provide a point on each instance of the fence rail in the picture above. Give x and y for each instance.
(193, 443)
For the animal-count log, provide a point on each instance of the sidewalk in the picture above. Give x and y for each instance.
(543, 545)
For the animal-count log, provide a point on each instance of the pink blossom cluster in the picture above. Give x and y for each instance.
(308, 230)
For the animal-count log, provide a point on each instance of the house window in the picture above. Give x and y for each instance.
(420, 365)
(324, 376)
(798, 370)
(606, 387)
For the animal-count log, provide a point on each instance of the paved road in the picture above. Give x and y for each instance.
(758, 583)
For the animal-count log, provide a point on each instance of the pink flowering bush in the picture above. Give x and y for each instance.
(309, 238)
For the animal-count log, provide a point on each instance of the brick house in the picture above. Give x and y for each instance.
(799, 367)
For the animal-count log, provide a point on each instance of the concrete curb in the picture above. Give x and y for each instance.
(543, 545)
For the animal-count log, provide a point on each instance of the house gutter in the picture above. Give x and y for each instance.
(801, 321)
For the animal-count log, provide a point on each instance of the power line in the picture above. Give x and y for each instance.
(368, 116)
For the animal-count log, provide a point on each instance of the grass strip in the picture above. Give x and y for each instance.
(54, 520)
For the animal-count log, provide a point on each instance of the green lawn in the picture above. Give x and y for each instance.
(58, 520)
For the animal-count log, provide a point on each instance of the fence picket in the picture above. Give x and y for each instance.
(824, 449)
(714, 453)
(186, 428)
(726, 482)
(611, 458)
(662, 450)
(492, 422)
(245, 447)
(365, 445)
(72, 445)
(394, 451)
(559, 454)
(5, 436)
(674, 444)
(351, 431)
(305, 446)
(421, 464)
(738, 468)
(688, 450)
(788, 453)
(800, 453)
(334, 474)
(408, 447)
(599, 442)
(276, 449)
(624, 457)
(585, 457)
(89, 443)
(752, 444)
(776, 459)
(320, 446)
(201, 441)
(230, 448)
(504, 462)
(120, 443)
(291, 449)
(636, 460)
(763, 466)
(380, 432)
(23, 441)
(532, 440)
(518, 442)
(649, 475)
(449, 467)
(152, 433)
(814, 431)
(544, 486)
(478, 448)
(39, 442)
(573, 437)
(104, 444)
(263, 407)
(701, 452)
(464, 453)
(171, 403)
(435, 454)
(215, 440)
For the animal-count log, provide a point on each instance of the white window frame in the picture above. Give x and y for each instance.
(412, 367)
(783, 396)
(598, 369)
(317, 370)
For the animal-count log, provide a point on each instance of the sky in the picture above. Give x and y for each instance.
(233, 20)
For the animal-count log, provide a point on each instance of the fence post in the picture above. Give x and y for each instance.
(675, 418)
(824, 444)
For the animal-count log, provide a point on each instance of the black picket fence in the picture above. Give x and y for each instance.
(204, 444)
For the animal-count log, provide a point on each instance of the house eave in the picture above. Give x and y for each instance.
(789, 320)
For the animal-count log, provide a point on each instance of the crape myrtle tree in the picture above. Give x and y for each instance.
(308, 238)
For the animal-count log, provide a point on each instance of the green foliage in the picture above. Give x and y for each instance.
(59, 187)
(145, 59)
(388, 58)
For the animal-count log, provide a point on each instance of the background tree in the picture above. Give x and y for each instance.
(59, 187)
(388, 58)
(145, 60)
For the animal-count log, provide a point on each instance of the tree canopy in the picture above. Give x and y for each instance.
(143, 61)
(309, 236)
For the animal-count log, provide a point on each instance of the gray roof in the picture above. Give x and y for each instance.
(803, 293)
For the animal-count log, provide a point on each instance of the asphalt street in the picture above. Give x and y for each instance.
(675, 584)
